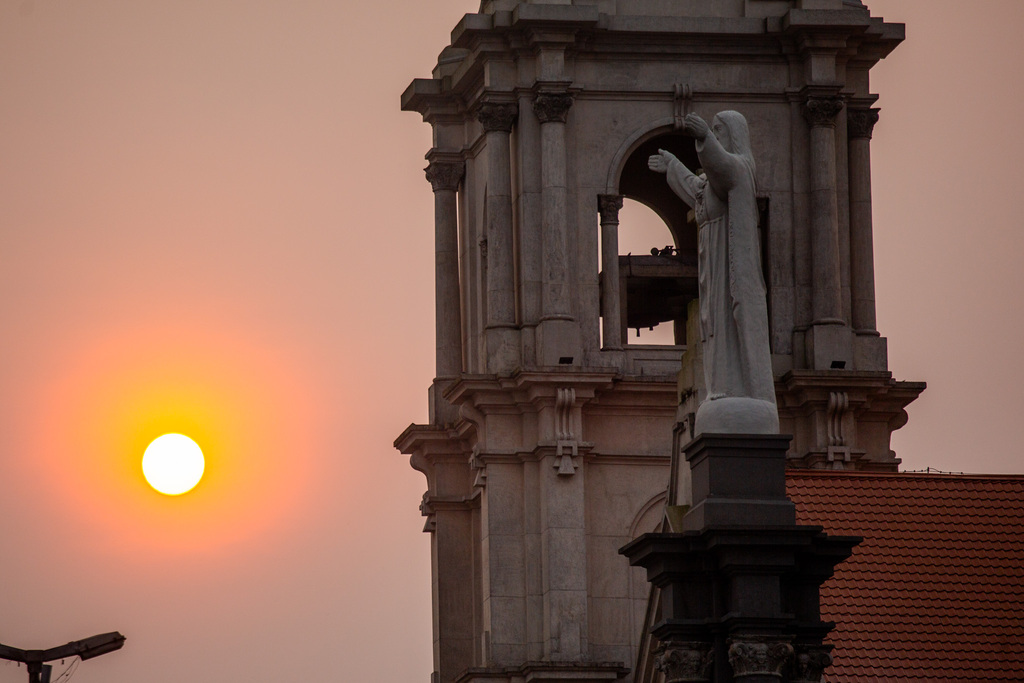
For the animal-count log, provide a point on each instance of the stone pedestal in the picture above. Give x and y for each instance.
(737, 479)
(739, 587)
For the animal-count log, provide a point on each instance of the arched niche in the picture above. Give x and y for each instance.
(657, 287)
(640, 183)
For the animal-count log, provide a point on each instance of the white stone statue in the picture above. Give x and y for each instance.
(733, 308)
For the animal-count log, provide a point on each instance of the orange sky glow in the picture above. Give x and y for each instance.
(214, 221)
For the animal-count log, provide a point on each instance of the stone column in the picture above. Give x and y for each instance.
(445, 177)
(859, 123)
(829, 344)
(558, 340)
(827, 296)
(502, 345)
(608, 206)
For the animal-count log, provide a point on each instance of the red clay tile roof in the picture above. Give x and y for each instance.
(935, 592)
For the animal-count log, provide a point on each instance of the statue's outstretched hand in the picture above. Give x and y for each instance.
(696, 126)
(659, 162)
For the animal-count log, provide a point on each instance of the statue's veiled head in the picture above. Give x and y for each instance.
(730, 127)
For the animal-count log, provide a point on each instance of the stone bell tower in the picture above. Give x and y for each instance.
(550, 434)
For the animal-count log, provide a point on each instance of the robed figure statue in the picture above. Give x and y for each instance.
(733, 306)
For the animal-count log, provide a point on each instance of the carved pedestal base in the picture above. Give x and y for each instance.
(738, 480)
(742, 587)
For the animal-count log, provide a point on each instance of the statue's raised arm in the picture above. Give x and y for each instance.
(733, 305)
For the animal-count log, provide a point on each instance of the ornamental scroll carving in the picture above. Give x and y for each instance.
(860, 123)
(821, 112)
(684, 662)
(497, 117)
(427, 510)
(608, 205)
(566, 447)
(476, 418)
(838, 449)
(552, 106)
(445, 175)
(811, 664)
(759, 658)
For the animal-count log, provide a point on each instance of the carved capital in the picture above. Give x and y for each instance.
(811, 663)
(608, 206)
(757, 657)
(684, 662)
(822, 111)
(445, 175)
(497, 117)
(860, 123)
(552, 106)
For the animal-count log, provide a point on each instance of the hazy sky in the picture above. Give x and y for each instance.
(213, 219)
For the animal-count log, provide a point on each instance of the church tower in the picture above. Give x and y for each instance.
(551, 433)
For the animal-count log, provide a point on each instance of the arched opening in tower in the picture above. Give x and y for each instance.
(657, 281)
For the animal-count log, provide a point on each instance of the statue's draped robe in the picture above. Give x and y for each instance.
(733, 310)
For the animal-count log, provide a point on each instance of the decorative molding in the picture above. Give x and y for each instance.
(860, 123)
(476, 418)
(567, 447)
(479, 468)
(838, 449)
(757, 657)
(821, 112)
(684, 662)
(552, 106)
(811, 663)
(608, 205)
(445, 175)
(427, 510)
(497, 117)
(682, 96)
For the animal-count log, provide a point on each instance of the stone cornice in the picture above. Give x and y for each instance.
(432, 100)
(437, 440)
(511, 394)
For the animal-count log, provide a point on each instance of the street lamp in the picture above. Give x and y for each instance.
(35, 660)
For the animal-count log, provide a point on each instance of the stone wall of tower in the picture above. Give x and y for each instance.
(549, 439)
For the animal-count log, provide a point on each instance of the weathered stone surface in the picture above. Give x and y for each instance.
(549, 437)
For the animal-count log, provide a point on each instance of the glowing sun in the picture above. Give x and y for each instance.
(173, 464)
